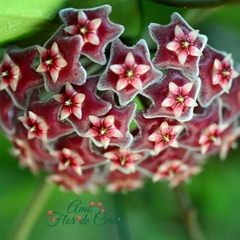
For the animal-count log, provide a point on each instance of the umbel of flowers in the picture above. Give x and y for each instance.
(137, 118)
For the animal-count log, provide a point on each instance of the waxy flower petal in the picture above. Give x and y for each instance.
(216, 73)
(28, 78)
(175, 96)
(35, 125)
(71, 101)
(123, 159)
(179, 46)
(129, 71)
(91, 105)
(165, 135)
(211, 135)
(95, 28)
(104, 129)
(52, 61)
(59, 61)
(9, 73)
(68, 158)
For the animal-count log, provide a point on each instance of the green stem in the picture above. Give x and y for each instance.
(189, 214)
(33, 209)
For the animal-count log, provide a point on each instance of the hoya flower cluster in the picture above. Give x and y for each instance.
(91, 111)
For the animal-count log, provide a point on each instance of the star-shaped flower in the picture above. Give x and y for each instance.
(28, 79)
(35, 125)
(59, 61)
(223, 72)
(174, 96)
(183, 44)
(216, 72)
(104, 129)
(165, 135)
(68, 158)
(123, 159)
(71, 101)
(115, 123)
(52, 61)
(90, 104)
(179, 99)
(171, 170)
(9, 73)
(211, 135)
(129, 71)
(201, 120)
(95, 28)
(87, 28)
(179, 46)
(49, 111)
(82, 147)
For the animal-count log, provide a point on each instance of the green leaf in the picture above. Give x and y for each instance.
(194, 3)
(30, 22)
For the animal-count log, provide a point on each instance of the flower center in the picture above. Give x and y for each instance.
(102, 131)
(67, 162)
(68, 102)
(48, 62)
(83, 30)
(225, 73)
(130, 73)
(165, 138)
(180, 99)
(33, 128)
(212, 138)
(123, 160)
(185, 44)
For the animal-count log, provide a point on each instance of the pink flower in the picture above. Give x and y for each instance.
(91, 104)
(129, 73)
(165, 135)
(104, 129)
(71, 101)
(183, 44)
(99, 204)
(211, 136)
(118, 181)
(169, 170)
(35, 125)
(87, 28)
(179, 46)
(179, 98)
(122, 159)
(68, 158)
(91, 204)
(94, 27)
(78, 218)
(9, 73)
(52, 61)
(223, 72)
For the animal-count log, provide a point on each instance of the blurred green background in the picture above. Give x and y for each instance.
(151, 212)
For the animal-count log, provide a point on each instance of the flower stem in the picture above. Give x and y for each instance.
(32, 211)
(189, 214)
